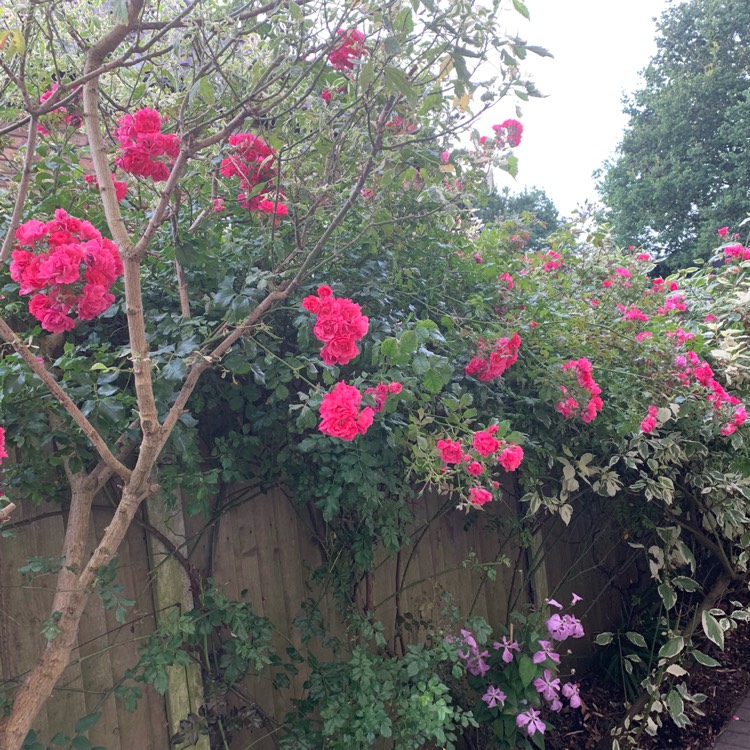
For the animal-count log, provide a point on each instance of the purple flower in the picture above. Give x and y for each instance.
(547, 685)
(562, 628)
(507, 646)
(556, 705)
(576, 599)
(554, 603)
(493, 696)
(545, 653)
(570, 691)
(530, 719)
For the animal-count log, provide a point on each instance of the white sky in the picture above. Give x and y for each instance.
(599, 47)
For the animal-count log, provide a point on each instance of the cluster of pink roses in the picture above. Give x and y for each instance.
(350, 47)
(121, 188)
(569, 406)
(143, 144)
(399, 125)
(71, 119)
(486, 445)
(490, 365)
(340, 413)
(254, 162)
(381, 393)
(69, 258)
(554, 261)
(736, 252)
(691, 367)
(508, 132)
(340, 324)
(649, 422)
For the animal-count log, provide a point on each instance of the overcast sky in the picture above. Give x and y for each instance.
(599, 47)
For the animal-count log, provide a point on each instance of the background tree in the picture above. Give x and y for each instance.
(532, 207)
(682, 168)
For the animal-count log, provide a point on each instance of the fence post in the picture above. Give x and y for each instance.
(171, 588)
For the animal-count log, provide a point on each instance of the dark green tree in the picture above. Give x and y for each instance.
(532, 207)
(683, 168)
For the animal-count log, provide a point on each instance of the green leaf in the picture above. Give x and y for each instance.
(521, 8)
(86, 722)
(396, 79)
(119, 10)
(675, 704)
(206, 91)
(712, 629)
(526, 670)
(408, 342)
(392, 45)
(366, 74)
(667, 594)
(672, 647)
(705, 659)
(603, 639)
(636, 639)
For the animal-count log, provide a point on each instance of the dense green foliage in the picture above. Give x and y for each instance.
(532, 204)
(682, 169)
(382, 212)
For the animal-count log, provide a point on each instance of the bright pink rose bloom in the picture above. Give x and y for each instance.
(3, 452)
(722, 232)
(484, 443)
(649, 423)
(479, 496)
(350, 47)
(94, 301)
(475, 468)
(395, 387)
(63, 266)
(451, 451)
(52, 315)
(30, 232)
(340, 415)
(511, 457)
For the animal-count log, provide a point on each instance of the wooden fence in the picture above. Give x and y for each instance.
(263, 550)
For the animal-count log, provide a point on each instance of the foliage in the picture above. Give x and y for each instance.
(532, 207)
(682, 170)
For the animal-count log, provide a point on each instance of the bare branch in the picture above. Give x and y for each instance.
(23, 190)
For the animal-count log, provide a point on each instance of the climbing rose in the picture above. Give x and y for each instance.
(350, 47)
(509, 131)
(451, 451)
(479, 496)
(511, 457)
(71, 264)
(475, 468)
(143, 143)
(722, 232)
(340, 324)
(490, 366)
(340, 415)
(121, 188)
(485, 443)
(3, 452)
(649, 423)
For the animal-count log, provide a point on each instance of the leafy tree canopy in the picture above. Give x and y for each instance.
(531, 205)
(682, 168)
